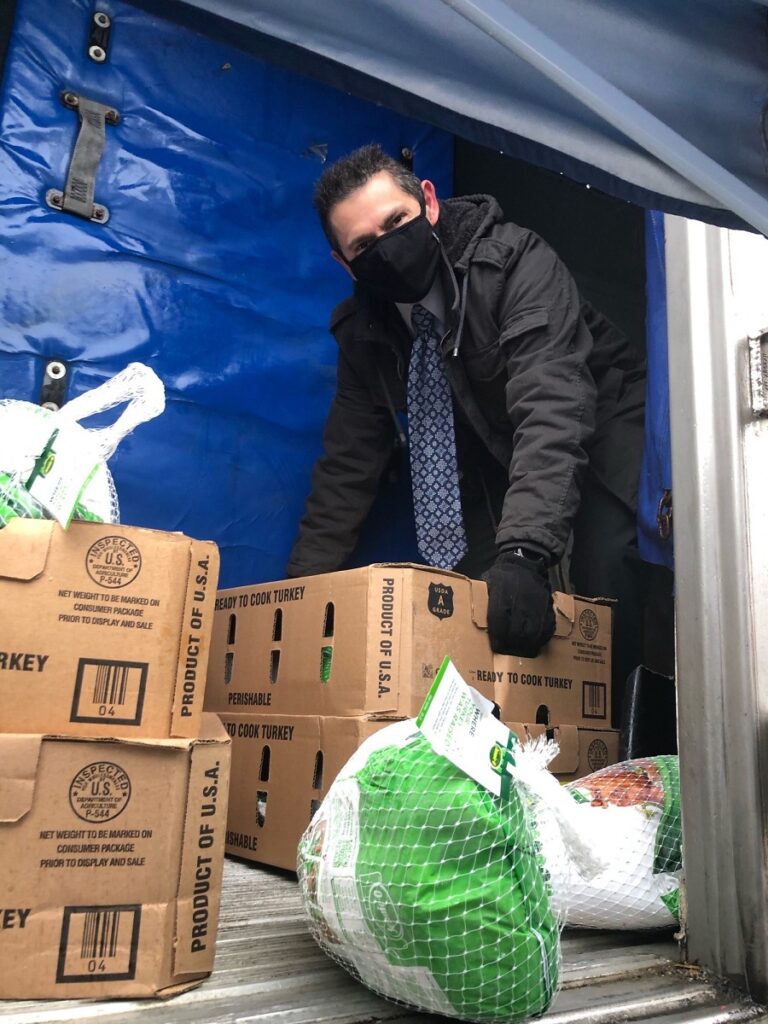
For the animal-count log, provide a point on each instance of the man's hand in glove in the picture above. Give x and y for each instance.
(521, 617)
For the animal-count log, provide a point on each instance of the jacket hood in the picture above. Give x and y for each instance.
(462, 223)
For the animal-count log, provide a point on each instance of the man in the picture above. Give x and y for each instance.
(525, 405)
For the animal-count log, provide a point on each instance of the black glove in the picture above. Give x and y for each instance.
(521, 616)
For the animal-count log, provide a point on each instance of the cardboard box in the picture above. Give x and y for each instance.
(105, 629)
(111, 854)
(369, 642)
(582, 751)
(282, 767)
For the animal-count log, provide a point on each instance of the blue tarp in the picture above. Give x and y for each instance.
(212, 268)
(662, 103)
(654, 542)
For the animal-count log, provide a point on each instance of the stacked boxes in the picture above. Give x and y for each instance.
(302, 671)
(113, 782)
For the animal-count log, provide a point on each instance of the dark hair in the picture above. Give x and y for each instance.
(350, 173)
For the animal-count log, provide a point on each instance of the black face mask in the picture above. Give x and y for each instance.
(401, 265)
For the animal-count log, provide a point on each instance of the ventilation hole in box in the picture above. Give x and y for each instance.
(277, 625)
(542, 715)
(317, 778)
(232, 629)
(261, 807)
(326, 663)
(550, 734)
(328, 620)
(274, 665)
(264, 769)
(314, 807)
(229, 662)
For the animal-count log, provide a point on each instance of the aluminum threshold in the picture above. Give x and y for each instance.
(269, 971)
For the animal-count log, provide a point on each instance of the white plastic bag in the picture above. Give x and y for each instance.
(53, 467)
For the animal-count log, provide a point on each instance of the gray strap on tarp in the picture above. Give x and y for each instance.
(78, 194)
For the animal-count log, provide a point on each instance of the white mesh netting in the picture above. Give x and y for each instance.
(626, 818)
(428, 888)
(33, 439)
(437, 894)
(630, 813)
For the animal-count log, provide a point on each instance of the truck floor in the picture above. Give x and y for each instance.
(269, 971)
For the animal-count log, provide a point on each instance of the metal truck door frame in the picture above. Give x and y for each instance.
(716, 299)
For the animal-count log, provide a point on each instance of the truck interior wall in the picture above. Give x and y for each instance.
(600, 239)
(212, 267)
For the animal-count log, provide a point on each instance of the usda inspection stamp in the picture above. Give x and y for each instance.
(113, 562)
(100, 791)
(588, 624)
(597, 755)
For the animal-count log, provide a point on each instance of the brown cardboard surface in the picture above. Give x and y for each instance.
(582, 751)
(369, 642)
(105, 629)
(111, 870)
(282, 767)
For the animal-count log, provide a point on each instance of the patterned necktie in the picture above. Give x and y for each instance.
(432, 441)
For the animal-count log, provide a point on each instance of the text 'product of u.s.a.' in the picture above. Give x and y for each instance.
(52, 467)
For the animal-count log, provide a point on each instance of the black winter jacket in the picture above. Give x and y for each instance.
(538, 377)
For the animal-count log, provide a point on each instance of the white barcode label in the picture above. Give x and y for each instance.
(99, 943)
(594, 704)
(109, 691)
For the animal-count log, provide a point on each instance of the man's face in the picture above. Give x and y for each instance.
(374, 209)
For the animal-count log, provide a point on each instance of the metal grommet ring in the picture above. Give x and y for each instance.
(102, 20)
(56, 370)
(97, 53)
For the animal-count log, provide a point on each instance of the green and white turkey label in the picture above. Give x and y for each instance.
(457, 722)
(62, 471)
